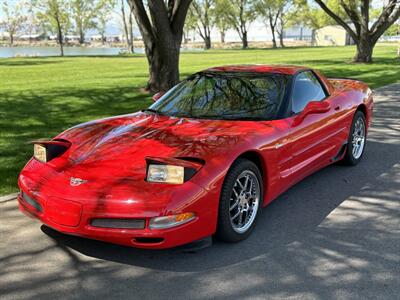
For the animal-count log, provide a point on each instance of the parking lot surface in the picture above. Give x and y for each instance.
(335, 235)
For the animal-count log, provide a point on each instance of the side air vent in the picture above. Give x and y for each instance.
(32, 202)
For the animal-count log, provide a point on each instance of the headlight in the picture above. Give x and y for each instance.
(171, 221)
(166, 174)
(40, 153)
(45, 151)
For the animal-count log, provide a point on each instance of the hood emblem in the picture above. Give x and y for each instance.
(76, 181)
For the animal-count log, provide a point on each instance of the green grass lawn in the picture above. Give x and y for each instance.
(39, 97)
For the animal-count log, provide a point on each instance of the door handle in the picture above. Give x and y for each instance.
(337, 107)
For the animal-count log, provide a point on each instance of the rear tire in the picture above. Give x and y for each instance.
(240, 201)
(356, 140)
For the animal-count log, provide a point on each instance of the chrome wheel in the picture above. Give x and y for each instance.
(244, 201)
(358, 139)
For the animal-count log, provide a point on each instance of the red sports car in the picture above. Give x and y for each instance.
(202, 160)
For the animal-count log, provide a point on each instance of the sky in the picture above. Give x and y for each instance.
(114, 27)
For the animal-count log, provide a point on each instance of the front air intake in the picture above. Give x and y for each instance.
(119, 223)
(148, 240)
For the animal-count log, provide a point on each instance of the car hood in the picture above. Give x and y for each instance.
(124, 142)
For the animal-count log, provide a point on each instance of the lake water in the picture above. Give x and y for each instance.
(68, 51)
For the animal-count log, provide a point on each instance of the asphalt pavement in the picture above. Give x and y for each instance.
(335, 235)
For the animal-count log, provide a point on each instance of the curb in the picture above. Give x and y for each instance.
(9, 197)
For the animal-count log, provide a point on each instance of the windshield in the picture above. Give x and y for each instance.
(233, 96)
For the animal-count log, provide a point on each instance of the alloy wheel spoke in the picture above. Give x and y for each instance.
(240, 223)
(240, 184)
(246, 182)
(244, 202)
(234, 205)
(236, 194)
(236, 215)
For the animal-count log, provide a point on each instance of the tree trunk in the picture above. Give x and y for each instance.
(81, 36)
(222, 36)
(245, 43)
(163, 68)
(365, 48)
(272, 25)
(126, 31)
(11, 39)
(313, 41)
(130, 43)
(281, 39)
(273, 38)
(207, 42)
(61, 47)
(162, 36)
(185, 37)
(60, 37)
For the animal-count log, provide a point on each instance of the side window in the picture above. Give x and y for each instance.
(307, 88)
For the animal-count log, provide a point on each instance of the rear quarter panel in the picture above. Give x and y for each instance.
(353, 95)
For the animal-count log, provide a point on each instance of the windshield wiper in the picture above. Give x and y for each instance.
(154, 111)
(242, 118)
(231, 118)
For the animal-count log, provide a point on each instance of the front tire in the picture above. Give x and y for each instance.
(357, 140)
(240, 201)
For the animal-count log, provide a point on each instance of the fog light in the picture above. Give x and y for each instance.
(171, 221)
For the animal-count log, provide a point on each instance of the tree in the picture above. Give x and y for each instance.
(241, 13)
(161, 26)
(280, 29)
(128, 25)
(104, 10)
(287, 8)
(364, 35)
(31, 22)
(83, 13)
(312, 16)
(393, 30)
(270, 10)
(55, 14)
(202, 10)
(190, 25)
(13, 18)
(222, 20)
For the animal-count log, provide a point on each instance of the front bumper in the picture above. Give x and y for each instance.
(74, 218)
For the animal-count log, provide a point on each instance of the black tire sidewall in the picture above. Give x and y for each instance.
(225, 231)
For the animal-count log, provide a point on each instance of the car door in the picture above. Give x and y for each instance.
(312, 135)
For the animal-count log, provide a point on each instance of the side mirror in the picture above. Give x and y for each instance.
(158, 96)
(317, 107)
(313, 107)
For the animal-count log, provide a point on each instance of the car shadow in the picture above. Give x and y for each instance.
(291, 217)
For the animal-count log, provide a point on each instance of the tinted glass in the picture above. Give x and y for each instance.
(306, 88)
(225, 96)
